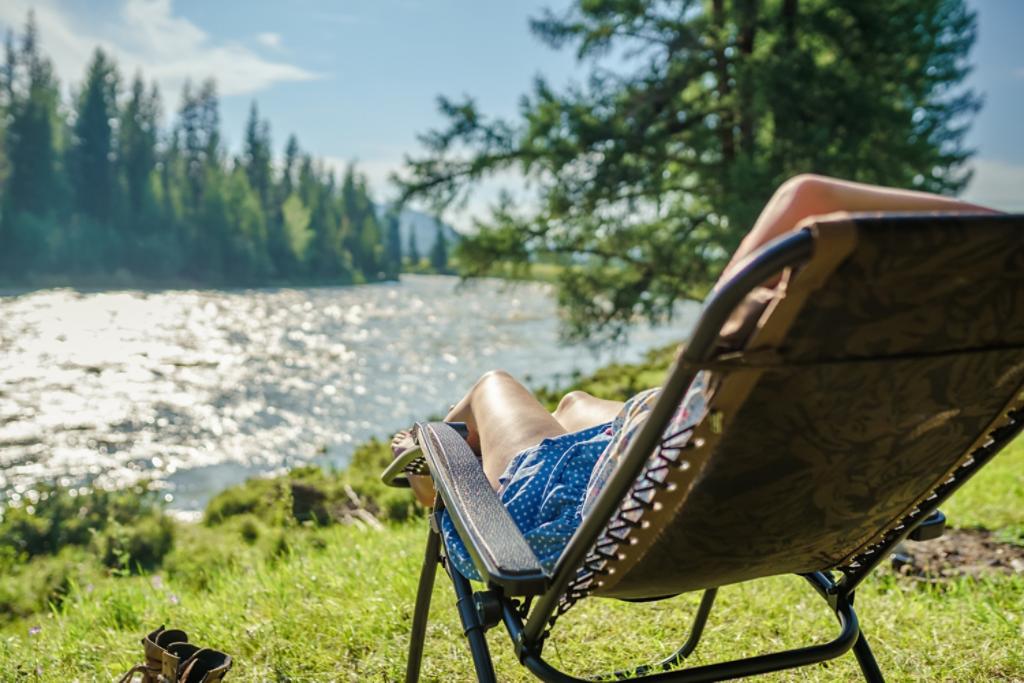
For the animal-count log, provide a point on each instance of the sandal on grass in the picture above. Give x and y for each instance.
(170, 658)
(203, 665)
(155, 646)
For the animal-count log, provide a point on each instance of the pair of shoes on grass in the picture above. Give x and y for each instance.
(170, 658)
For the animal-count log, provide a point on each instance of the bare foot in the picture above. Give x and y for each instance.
(422, 485)
(401, 442)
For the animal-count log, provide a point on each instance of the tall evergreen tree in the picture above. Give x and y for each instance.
(199, 121)
(189, 134)
(173, 183)
(246, 257)
(257, 156)
(296, 226)
(694, 112)
(31, 136)
(137, 149)
(6, 100)
(317, 189)
(92, 151)
(439, 251)
(393, 245)
(291, 157)
(362, 236)
(31, 140)
(414, 248)
(7, 70)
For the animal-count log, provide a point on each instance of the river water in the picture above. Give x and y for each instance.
(197, 390)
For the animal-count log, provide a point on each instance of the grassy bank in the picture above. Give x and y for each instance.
(311, 577)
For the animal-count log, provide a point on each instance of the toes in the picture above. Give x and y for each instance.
(402, 442)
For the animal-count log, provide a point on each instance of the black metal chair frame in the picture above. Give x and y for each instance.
(511, 571)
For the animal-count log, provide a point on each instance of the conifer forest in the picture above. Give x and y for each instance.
(98, 185)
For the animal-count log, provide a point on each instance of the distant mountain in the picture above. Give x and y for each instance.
(424, 225)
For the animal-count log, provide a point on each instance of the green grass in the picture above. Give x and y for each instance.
(334, 603)
(281, 577)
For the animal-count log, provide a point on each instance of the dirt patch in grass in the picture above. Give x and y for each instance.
(959, 552)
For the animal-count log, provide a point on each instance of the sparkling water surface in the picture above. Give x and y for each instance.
(197, 390)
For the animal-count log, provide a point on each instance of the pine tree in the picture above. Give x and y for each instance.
(439, 251)
(291, 156)
(281, 258)
(6, 100)
(296, 226)
(31, 139)
(92, 168)
(362, 234)
(414, 249)
(318, 192)
(207, 233)
(137, 152)
(650, 175)
(256, 155)
(199, 122)
(246, 258)
(393, 245)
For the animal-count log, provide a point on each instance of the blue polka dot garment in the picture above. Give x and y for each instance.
(543, 488)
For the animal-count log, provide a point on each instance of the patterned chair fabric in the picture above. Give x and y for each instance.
(881, 365)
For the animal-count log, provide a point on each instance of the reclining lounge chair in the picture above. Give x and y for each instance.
(886, 370)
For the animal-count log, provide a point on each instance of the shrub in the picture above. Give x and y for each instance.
(141, 545)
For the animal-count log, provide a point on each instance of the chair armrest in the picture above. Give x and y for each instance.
(412, 461)
(497, 547)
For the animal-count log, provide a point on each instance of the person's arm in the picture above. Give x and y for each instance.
(808, 195)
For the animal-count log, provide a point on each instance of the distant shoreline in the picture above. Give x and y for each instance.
(117, 283)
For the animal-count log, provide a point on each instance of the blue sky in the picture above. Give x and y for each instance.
(358, 80)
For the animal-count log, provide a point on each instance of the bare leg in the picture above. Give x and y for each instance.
(579, 410)
(503, 418)
(811, 195)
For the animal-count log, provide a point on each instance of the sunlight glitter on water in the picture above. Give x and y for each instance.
(199, 389)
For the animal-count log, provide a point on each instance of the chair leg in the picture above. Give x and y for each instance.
(472, 628)
(422, 609)
(867, 662)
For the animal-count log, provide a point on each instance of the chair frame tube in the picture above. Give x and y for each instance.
(849, 637)
(421, 612)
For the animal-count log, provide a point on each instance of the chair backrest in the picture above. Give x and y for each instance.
(891, 356)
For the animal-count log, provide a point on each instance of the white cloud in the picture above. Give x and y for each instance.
(271, 40)
(147, 36)
(998, 184)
